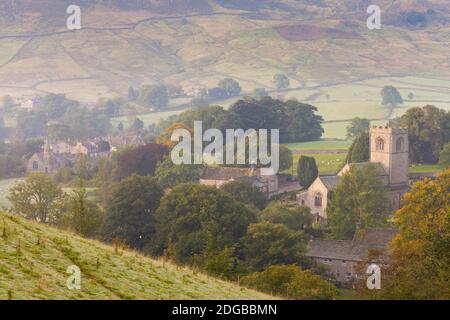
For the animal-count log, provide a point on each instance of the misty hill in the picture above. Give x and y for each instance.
(34, 259)
(195, 43)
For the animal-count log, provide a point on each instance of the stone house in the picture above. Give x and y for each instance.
(218, 176)
(47, 161)
(388, 152)
(343, 257)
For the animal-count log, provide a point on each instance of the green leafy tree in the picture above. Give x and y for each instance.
(281, 81)
(307, 171)
(103, 146)
(391, 96)
(300, 122)
(7, 102)
(155, 95)
(428, 131)
(84, 216)
(224, 264)
(231, 86)
(359, 150)
(245, 192)
(130, 213)
(291, 282)
(259, 93)
(37, 198)
(170, 174)
(132, 94)
(444, 156)
(285, 157)
(195, 221)
(359, 197)
(357, 127)
(268, 244)
(137, 125)
(297, 218)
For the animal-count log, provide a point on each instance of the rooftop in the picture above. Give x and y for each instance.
(357, 249)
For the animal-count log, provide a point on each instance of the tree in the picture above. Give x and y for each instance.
(132, 94)
(10, 166)
(245, 192)
(7, 102)
(300, 122)
(103, 146)
(259, 93)
(57, 132)
(421, 251)
(83, 167)
(130, 213)
(141, 160)
(291, 282)
(195, 221)
(359, 150)
(31, 124)
(297, 218)
(137, 125)
(85, 123)
(120, 126)
(391, 96)
(56, 105)
(285, 157)
(357, 126)
(307, 171)
(428, 131)
(37, 198)
(269, 244)
(170, 174)
(444, 156)
(165, 138)
(281, 81)
(231, 86)
(359, 197)
(84, 216)
(155, 96)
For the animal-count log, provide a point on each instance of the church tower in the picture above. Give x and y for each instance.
(389, 146)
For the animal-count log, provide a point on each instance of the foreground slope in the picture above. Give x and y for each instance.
(34, 259)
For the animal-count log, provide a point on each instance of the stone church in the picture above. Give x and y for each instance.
(388, 151)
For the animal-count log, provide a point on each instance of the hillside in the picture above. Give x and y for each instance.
(196, 43)
(34, 259)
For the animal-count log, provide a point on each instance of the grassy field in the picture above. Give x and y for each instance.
(320, 145)
(34, 259)
(425, 168)
(326, 163)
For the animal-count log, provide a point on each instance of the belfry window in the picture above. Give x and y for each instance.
(399, 144)
(379, 144)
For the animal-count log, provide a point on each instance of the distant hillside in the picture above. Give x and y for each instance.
(196, 43)
(34, 259)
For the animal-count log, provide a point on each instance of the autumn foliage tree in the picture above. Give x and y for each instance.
(420, 265)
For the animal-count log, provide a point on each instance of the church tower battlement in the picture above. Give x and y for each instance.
(389, 146)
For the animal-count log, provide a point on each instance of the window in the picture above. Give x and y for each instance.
(318, 200)
(379, 144)
(399, 144)
(35, 165)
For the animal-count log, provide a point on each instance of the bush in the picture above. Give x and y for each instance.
(291, 282)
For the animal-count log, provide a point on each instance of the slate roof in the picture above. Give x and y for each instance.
(353, 250)
(225, 173)
(329, 182)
